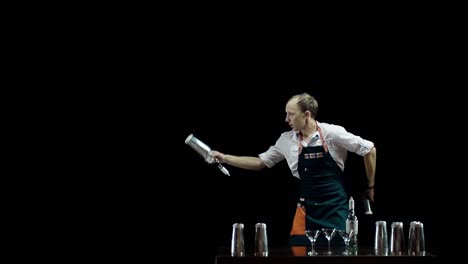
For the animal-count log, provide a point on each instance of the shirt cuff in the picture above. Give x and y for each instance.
(263, 157)
(365, 147)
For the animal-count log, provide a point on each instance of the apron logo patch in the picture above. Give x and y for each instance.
(313, 155)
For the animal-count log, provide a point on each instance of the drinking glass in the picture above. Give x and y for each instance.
(416, 244)
(329, 234)
(346, 236)
(312, 235)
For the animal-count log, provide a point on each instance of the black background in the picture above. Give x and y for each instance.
(379, 81)
(228, 85)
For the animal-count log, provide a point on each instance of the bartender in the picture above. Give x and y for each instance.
(316, 153)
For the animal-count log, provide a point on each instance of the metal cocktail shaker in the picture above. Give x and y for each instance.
(204, 151)
(367, 206)
(381, 239)
(416, 243)
(237, 242)
(261, 240)
(397, 239)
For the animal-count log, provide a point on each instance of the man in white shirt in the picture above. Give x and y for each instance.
(316, 153)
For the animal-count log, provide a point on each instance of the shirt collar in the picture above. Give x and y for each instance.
(295, 135)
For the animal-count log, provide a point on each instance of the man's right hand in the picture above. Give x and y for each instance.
(217, 156)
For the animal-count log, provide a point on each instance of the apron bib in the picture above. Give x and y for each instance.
(324, 201)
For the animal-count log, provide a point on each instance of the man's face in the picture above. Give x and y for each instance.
(294, 116)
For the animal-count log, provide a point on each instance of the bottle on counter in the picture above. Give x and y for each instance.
(352, 224)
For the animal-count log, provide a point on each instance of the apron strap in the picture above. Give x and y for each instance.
(323, 139)
(325, 147)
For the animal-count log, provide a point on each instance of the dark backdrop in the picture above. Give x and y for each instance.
(228, 85)
(377, 81)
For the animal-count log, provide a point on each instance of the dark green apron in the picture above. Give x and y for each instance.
(322, 191)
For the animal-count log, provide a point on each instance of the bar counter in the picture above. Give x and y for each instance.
(299, 255)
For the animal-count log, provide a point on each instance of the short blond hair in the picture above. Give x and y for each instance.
(306, 102)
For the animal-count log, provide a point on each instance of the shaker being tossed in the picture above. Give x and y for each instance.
(204, 151)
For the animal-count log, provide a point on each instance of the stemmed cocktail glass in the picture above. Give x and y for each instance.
(312, 235)
(346, 237)
(329, 234)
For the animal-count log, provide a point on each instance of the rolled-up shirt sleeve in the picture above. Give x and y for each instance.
(364, 147)
(351, 142)
(273, 155)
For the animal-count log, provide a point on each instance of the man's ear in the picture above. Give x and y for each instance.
(307, 113)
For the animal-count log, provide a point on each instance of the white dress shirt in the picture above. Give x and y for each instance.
(339, 142)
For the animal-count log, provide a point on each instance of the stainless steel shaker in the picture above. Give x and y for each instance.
(367, 206)
(397, 239)
(381, 238)
(200, 147)
(416, 243)
(237, 242)
(203, 150)
(261, 240)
